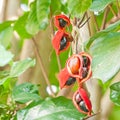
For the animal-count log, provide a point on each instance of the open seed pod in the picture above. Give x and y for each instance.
(60, 41)
(61, 21)
(86, 68)
(74, 66)
(65, 80)
(82, 101)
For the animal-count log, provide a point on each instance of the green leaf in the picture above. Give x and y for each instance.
(105, 50)
(77, 7)
(5, 25)
(115, 93)
(21, 66)
(43, 10)
(19, 26)
(113, 27)
(25, 92)
(99, 5)
(32, 25)
(52, 109)
(5, 36)
(54, 9)
(2, 81)
(5, 56)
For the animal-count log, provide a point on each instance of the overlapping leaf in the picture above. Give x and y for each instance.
(25, 92)
(115, 93)
(52, 109)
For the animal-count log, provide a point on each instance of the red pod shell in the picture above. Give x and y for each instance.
(74, 65)
(57, 40)
(88, 67)
(84, 97)
(65, 80)
(61, 21)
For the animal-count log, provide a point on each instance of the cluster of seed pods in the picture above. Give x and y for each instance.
(61, 40)
(78, 66)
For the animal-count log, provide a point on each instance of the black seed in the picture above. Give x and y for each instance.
(85, 72)
(63, 43)
(70, 81)
(62, 22)
(78, 98)
(85, 61)
(83, 107)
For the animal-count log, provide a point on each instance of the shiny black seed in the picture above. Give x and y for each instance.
(70, 81)
(62, 22)
(85, 72)
(63, 43)
(85, 61)
(78, 98)
(82, 106)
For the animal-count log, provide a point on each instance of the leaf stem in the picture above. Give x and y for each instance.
(52, 34)
(88, 25)
(113, 12)
(42, 66)
(104, 19)
(118, 7)
(95, 22)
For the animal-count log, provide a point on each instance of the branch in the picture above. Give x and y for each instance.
(42, 66)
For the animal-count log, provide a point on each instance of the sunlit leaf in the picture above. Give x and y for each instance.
(5, 56)
(115, 93)
(32, 25)
(19, 26)
(6, 36)
(77, 7)
(21, 66)
(5, 25)
(105, 50)
(52, 109)
(99, 5)
(25, 92)
(42, 11)
(54, 9)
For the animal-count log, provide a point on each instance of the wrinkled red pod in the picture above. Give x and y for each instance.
(74, 66)
(82, 101)
(60, 41)
(65, 80)
(61, 21)
(86, 68)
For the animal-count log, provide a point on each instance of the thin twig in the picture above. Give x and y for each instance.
(104, 18)
(81, 20)
(59, 63)
(42, 66)
(52, 34)
(88, 25)
(113, 12)
(84, 22)
(95, 22)
(118, 7)
(90, 116)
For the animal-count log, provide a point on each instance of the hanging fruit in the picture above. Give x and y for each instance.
(82, 101)
(65, 80)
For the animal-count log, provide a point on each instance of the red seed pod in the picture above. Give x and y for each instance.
(82, 101)
(74, 66)
(61, 21)
(65, 80)
(60, 41)
(86, 68)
